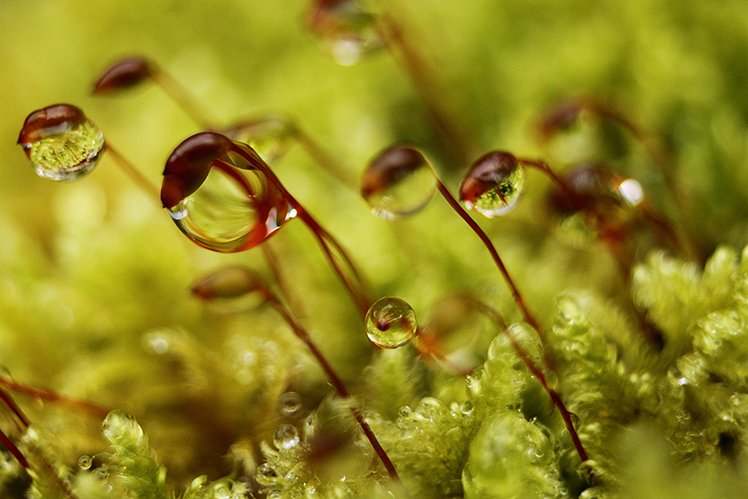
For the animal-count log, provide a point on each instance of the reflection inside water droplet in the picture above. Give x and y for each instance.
(346, 29)
(222, 216)
(85, 462)
(271, 138)
(286, 437)
(391, 323)
(65, 147)
(289, 404)
(397, 183)
(493, 184)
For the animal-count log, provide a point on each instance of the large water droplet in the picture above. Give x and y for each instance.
(398, 183)
(271, 137)
(391, 323)
(493, 184)
(345, 28)
(61, 142)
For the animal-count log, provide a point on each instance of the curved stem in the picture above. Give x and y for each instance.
(354, 287)
(336, 382)
(538, 373)
(50, 396)
(182, 98)
(518, 299)
(134, 174)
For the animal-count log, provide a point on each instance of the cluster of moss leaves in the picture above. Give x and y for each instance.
(94, 277)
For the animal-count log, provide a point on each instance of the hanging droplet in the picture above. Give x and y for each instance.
(493, 184)
(391, 323)
(122, 75)
(345, 28)
(271, 137)
(216, 200)
(61, 142)
(286, 437)
(397, 183)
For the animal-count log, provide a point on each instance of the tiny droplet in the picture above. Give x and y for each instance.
(286, 437)
(391, 323)
(493, 184)
(61, 142)
(631, 191)
(85, 462)
(397, 183)
(289, 404)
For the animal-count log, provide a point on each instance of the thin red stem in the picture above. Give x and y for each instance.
(325, 239)
(336, 382)
(528, 316)
(538, 373)
(50, 396)
(14, 407)
(8, 443)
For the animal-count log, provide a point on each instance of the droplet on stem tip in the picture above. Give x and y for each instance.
(217, 198)
(493, 184)
(397, 183)
(346, 29)
(61, 142)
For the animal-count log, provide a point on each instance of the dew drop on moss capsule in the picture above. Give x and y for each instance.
(345, 28)
(397, 183)
(493, 184)
(391, 323)
(61, 142)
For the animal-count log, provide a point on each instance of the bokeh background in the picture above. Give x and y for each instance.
(91, 270)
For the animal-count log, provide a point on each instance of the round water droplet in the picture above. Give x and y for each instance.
(345, 28)
(493, 184)
(286, 437)
(289, 404)
(61, 142)
(271, 137)
(215, 197)
(85, 462)
(398, 183)
(391, 323)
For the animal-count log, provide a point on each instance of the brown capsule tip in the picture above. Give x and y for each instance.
(124, 74)
(484, 174)
(49, 121)
(558, 118)
(228, 282)
(391, 166)
(189, 164)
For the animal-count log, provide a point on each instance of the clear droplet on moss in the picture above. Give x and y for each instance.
(347, 31)
(61, 142)
(397, 183)
(85, 462)
(493, 184)
(271, 137)
(286, 437)
(227, 283)
(289, 404)
(391, 323)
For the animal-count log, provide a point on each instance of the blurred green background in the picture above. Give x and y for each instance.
(87, 268)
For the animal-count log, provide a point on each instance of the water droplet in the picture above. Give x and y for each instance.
(286, 437)
(398, 183)
(61, 142)
(289, 404)
(493, 184)
(122, 75)
(217, 199)
(85, 462)
(229, 282)
(271, 137)
(391, 323)
(345, 28)
(102, 474)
